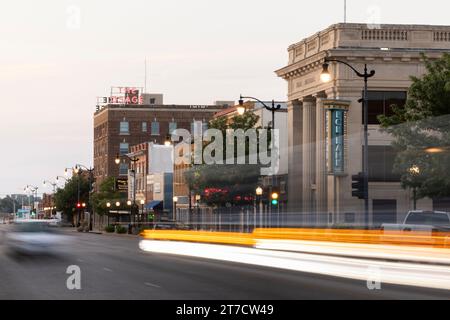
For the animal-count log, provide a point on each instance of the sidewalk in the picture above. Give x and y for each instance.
(74, 230)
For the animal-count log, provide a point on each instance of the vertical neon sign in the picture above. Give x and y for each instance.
(337, 140)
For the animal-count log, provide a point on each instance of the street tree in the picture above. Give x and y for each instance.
(107, 192)
(421, 132)
(66, 198)
(222, 184)
(8, 204)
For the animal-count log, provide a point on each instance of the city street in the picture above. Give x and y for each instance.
(113, 267)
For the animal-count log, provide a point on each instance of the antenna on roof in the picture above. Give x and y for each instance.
(145, 75)
(345, 11)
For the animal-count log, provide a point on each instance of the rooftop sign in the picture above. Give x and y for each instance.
(122, 96)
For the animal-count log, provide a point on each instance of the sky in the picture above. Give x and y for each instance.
(57, 56)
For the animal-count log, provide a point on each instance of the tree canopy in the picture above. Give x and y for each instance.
(421, 131)
(107, 193)
(66, 198)
(220, 184)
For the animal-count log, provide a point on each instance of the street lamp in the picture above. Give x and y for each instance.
(108, 206)
(259, 192)
(133, 159)
(78, 169)
(61, 177)
(240, 109)
(274, 108)
(414, 171)
(33, 190)
(168, 141)
(142, 212)
(197, 202)
(66, 171)
(175, 200)
(326, 77)
(53, 184)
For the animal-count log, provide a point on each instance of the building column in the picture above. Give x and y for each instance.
(321, 174)
(309, 105)
(295, 160)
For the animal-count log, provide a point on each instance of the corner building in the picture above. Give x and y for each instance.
(320, 177)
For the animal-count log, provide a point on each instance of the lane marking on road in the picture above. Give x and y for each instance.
(151, 285)
(107, 269)
(80, 260)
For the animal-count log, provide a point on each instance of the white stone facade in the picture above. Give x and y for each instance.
(394, 52)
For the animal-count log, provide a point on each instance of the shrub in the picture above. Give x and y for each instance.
(121, 229)
(80, 229)
(109, 229)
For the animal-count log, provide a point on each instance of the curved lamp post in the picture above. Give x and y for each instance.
(33, 190)
(326, 77)
(274, 108)
(53, 184)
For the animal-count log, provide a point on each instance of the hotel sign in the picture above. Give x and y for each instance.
(122, 96)
(336, 115)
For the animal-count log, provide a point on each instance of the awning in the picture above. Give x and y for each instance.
(155, 204)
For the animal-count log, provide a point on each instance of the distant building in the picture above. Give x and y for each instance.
(154, 175)
(117, 127)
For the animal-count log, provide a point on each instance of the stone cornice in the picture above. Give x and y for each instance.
(356, 55)
(302, 67)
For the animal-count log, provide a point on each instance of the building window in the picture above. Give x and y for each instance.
(124, 148)
(381, 164)
(380, 103)
(144, 126)
(123, 169)
(152, 100)
(124, 127)
(155, 128)
(172, 127)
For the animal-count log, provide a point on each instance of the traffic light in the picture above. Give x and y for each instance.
(359, 188)
(274, 197)
(78, 205)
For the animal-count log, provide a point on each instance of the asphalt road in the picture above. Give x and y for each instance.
(113, 267)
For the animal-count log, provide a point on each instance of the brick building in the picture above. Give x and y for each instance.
(118, 127)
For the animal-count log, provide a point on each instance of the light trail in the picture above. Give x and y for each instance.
(400, 273)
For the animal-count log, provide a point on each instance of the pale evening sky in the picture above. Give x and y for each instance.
(53, 65)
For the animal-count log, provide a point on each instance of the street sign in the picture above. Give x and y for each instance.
(122, 185)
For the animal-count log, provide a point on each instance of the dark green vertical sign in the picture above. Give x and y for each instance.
(337, 140)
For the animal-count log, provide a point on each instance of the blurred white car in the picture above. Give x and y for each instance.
(432, 221)
(35, 237)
